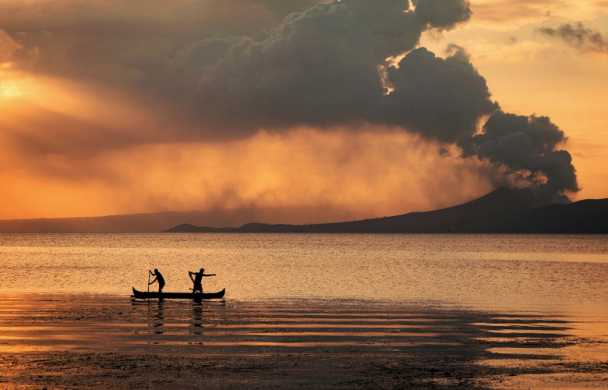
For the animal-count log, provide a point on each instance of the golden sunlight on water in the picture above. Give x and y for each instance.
(507, 271)
(92, 323)
(41, 333)
(453, 311)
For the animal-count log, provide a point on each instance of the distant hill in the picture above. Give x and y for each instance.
(141, 223)
(160, 222)
(502, 211)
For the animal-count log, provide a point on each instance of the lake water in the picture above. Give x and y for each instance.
(463, 269)
(514, 305)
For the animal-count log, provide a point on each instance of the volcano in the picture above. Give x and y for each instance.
(502, 211)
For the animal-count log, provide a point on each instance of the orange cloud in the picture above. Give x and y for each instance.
(508, 11)
(96, 139)
(371, 173)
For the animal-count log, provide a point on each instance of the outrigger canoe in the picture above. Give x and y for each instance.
(174, 295)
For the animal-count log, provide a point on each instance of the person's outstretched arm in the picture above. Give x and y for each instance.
(153, 280)
(208, 274)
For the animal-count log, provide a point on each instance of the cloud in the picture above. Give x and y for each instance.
(578, 36)
(509, 11)
(442, 14)
(320, 68)
(527, 145)
(8, 47)
(442, 99)
(308, 174)
(305, 73)
(126, 43)
(219, 73)
(208, 59)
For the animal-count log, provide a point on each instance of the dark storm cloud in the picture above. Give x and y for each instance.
(129, 43)
(579, 36)
(439, 98)
(320, 68)
(325, 66)
(442, 14)
(116, 17)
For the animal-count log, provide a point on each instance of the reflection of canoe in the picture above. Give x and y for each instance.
(171, 295)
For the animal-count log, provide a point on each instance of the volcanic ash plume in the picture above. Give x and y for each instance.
(351, 66)
(356, 61)
(527, 146)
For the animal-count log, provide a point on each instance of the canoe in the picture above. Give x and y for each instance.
(175, 295)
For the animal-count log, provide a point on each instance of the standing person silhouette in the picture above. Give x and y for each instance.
(158, 278)
(197, 279)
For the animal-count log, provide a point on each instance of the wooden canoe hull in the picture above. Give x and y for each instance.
(175, 295)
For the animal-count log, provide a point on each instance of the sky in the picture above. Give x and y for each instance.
(351, 109)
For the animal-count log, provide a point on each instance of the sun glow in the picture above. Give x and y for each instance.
(13, 83)
(10, 90)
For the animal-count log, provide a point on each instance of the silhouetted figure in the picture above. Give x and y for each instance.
(158, 278)
(197, 279)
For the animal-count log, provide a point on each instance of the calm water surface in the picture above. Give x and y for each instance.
(464, 269)
(538, 302)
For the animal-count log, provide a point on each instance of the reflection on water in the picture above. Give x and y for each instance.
(158, 316)
(508, 305)
(97, 323)
(197, 319)
(504, 343)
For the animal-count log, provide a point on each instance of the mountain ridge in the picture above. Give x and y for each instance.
(501, 211)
